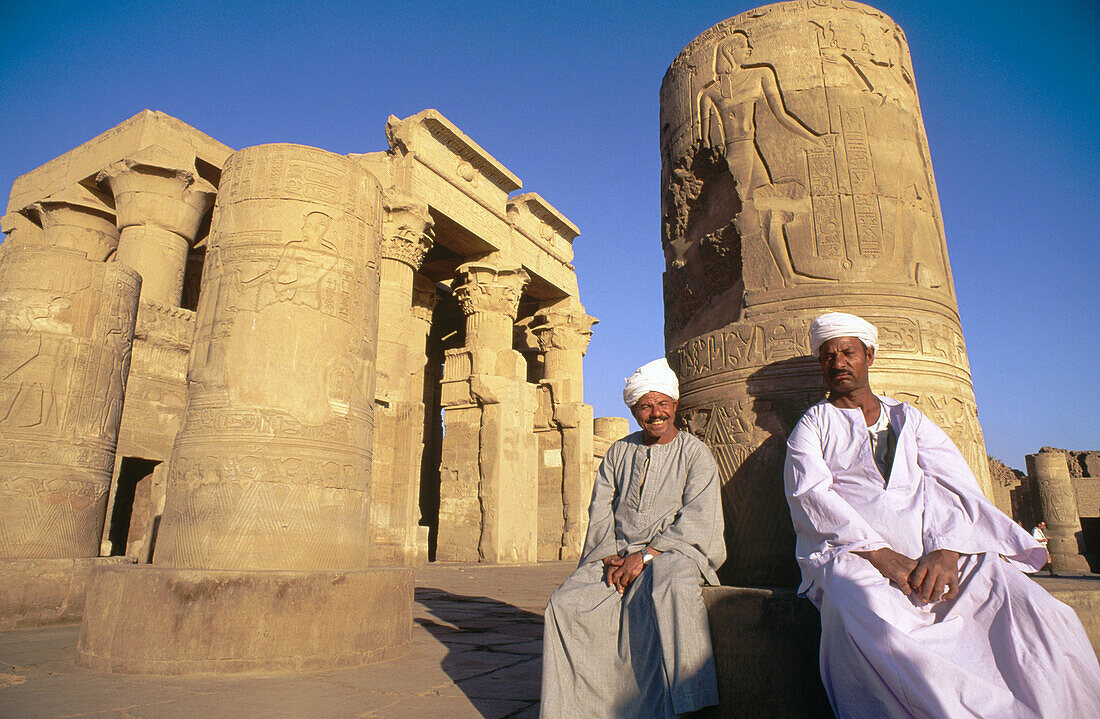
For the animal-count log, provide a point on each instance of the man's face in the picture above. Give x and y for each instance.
(656, 415)
(844, 363)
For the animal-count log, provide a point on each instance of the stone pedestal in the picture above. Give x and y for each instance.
(43, 592)
(66, 327)
(266, 517)
(1058, 508)
(220, 622)
(399, 406)
(161, 201)
(796, 181)
(488, 497)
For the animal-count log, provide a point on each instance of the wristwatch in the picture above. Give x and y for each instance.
(646, 556)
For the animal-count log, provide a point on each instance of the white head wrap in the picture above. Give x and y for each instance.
(656, 376)
(839, 324)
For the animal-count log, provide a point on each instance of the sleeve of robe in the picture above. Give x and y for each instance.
(696, 532)
(957, 515)
(826, 525)
(599, 540)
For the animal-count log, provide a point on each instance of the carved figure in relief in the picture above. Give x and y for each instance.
(906, 560)
(304, 264)
(727, 114)
(654, 536)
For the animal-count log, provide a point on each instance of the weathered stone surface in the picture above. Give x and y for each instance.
(765, 652)
(41, 592)
(796, 180)
(272, 467)
(66, 328)
(232, 621)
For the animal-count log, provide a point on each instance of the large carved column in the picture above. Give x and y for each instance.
(563, 332)
(488, 491)
(66, 328)
(1058, 508)
(160, 200)
(266, 517)
(399, 410)
(796, 180)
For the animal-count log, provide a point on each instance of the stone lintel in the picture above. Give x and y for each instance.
(469, 188)
(543, 225)
(429, 134)
(83, 163)
(190, 621)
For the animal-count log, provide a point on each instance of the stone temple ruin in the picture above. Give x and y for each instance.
(278, 378)
(283, 360)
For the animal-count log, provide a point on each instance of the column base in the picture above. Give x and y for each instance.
(145, 619)
(41, 592)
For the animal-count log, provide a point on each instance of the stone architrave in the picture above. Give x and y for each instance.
(796, 180)
(161, 201)
(1058, 506)
(266, 516)
(399, 410)
(488, 495)
(66, 329)
(563, 332)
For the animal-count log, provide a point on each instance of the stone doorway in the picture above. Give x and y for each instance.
(129, 527)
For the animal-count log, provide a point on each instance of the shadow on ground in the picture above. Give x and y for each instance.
(494, 649)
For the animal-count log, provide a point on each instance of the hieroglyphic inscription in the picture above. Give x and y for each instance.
(861, 175)
(825, 201)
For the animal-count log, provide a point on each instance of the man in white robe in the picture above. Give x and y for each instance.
(626, 635)
(925, 611)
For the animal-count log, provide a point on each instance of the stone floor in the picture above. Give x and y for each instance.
(476, 652)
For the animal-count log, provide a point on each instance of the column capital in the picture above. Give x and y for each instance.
(486, 288)
(75, 218)
(156, 187)
(565, 326)
(406, 228)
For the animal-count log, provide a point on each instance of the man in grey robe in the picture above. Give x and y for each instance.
(626, 635)
(925, 611)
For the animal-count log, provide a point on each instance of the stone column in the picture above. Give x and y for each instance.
(271, 469)
(487, 491)
(563, 332)
(266, 517)
(66, 328)
(796, 181)
(1058, 507)
(161, 201)
(399, 410)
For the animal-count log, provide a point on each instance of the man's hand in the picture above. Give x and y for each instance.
(896, 567)
(935, 572)
(628, 569)
(610, 564)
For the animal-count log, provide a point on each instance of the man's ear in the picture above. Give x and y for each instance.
(870, 355)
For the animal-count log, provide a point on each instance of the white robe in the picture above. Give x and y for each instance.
(1003, 647)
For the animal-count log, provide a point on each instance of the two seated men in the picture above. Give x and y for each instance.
(925, 610)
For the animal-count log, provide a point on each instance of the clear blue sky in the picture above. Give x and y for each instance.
(565, 95)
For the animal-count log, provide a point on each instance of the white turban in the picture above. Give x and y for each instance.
(656, 376)
(840, 324)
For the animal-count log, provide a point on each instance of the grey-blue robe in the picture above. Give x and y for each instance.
(646, 653)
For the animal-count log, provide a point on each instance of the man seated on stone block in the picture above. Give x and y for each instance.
(925, 611)
(626, 634)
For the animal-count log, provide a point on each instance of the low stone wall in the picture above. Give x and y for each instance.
(41, 592)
